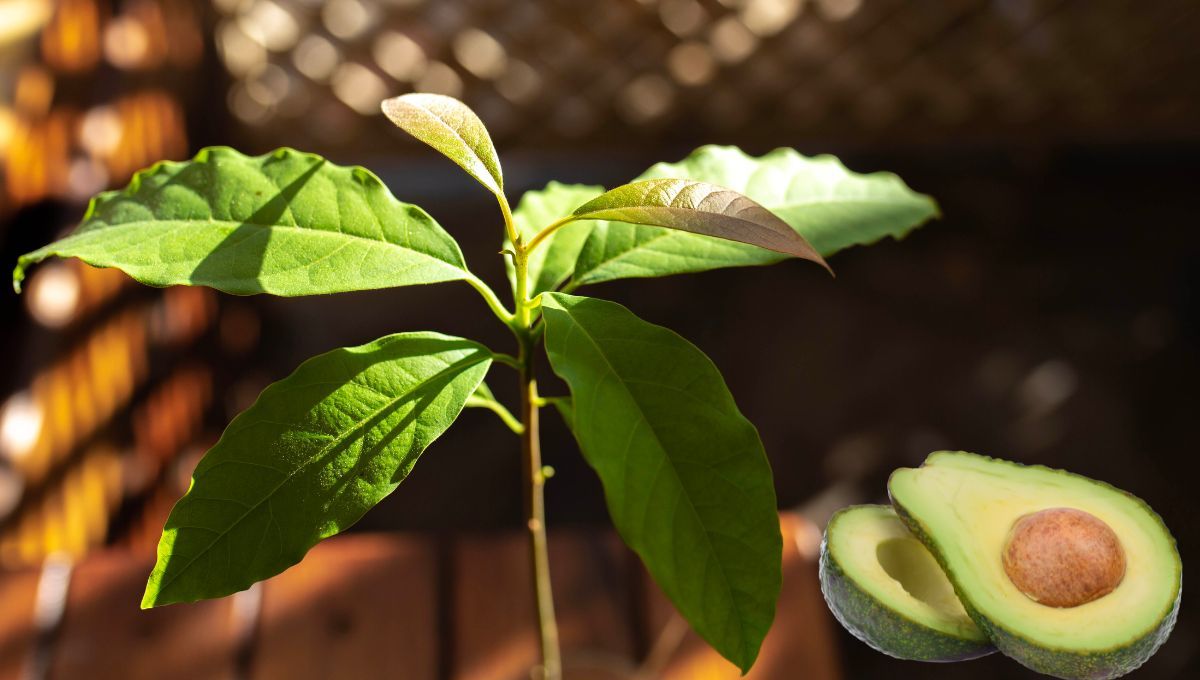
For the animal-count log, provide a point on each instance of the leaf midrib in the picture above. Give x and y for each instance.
(235, 224)
(675, 210)
(455, 367)
(668, 233)
(675, 471)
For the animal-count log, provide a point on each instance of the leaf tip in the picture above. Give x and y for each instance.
(821, 261)
(749, 655)
(934, 206)
(806, 251)
(388, 106)
(23, 262)
(150, 597)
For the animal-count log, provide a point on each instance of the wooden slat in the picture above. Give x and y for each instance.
(356, 607)
(17, 592)
(105, 634)
(801, 642)
(495, 637)
(398, 606)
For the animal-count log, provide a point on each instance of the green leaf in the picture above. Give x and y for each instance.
(315, 451)
(482, 391)
(698, 208)
(452, 128)
(553, 261)
(566, 410)
(832, 207)
(687, 481)
(286, 223)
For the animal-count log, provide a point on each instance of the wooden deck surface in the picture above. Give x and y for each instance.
(402, 606)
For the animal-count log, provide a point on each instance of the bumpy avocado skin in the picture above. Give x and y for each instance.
(1059, 663)
(883, 628)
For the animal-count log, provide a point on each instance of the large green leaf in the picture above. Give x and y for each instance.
(553, 261)
(450, 127)
(286, 223)
(687, 481)
(316, 451)
(832, 207)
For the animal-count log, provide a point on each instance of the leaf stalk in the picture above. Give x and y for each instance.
(493, 301)
(507, 359)
(548, 230)
(476, 401)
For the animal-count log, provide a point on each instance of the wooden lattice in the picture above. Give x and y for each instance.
(549, 72)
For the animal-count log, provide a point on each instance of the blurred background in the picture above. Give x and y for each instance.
(1052, 315)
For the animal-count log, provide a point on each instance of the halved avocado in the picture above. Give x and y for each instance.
(964, 508)
(888, 591)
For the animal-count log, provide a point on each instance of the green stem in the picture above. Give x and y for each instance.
(476, 401)
(509, 227)
(547, 231)
(492, 300)
(506, 359)
(549, 401)
(535, 480)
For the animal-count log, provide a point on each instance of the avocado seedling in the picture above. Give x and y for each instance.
(685, 475)
(1068, 575)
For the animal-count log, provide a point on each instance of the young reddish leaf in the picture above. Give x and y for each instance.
(452, 128)
(699, 208)
(831, 206)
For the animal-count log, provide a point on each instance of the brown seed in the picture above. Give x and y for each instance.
(1062, 557)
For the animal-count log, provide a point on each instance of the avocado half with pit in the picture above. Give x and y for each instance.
(1069, 576)
(885, 587)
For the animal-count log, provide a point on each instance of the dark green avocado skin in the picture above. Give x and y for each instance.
(885, 629)
(1059, 663)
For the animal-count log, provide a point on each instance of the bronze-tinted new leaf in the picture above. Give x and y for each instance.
(452, 128)
(699, 208)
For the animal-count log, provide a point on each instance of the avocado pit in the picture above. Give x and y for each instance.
(1063, 557)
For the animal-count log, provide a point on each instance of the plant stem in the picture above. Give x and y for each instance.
(546, 232)
(490, 298)
(536, 523)
(506, 359)
(535, 477)
(496, 407)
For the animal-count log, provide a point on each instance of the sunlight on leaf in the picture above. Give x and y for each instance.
(452, 128)
(315, 451)
(832, 207)
(286, 223)
(699, 208)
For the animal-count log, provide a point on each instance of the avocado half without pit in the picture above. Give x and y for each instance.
(1067, 575)
(886, 588)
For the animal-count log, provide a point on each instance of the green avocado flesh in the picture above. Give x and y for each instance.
(886, 589)
(963, 506)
